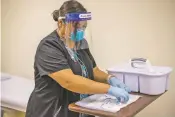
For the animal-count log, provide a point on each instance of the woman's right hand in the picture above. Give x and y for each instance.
(121, 95)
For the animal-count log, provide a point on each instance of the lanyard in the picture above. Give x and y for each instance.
(82, 65)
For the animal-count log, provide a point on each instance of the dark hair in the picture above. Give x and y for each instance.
(70, 6)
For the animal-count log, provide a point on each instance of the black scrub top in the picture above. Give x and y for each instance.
(48, 98)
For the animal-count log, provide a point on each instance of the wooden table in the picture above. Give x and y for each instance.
(128, 111)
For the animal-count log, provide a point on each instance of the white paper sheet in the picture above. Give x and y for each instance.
(105, 102)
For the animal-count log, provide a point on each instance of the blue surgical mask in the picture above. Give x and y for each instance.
(78, 36)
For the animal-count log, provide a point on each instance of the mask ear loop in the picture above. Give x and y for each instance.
(67, 34)
(75, 32)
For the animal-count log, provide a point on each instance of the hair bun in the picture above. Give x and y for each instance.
(55, 15)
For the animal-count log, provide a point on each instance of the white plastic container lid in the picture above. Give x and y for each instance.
(155, 70)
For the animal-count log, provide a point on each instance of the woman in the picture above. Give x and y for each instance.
(64, 73)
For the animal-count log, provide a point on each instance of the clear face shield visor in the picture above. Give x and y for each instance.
(76, 37)
(77, 34)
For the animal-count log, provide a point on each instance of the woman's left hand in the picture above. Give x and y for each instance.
(118, 83)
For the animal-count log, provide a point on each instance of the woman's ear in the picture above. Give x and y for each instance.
(60, 24)
(61, 27)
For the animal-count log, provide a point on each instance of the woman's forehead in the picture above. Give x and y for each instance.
(79, 24)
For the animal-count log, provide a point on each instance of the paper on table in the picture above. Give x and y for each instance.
(104, 102)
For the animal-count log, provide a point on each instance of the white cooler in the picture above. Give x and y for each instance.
(143, 80)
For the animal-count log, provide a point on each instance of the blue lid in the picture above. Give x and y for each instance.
(78, 16)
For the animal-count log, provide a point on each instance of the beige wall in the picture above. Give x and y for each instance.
(0, 36)
(121, 29)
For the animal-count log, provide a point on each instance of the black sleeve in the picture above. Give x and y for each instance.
(92, 58)
(49, 58)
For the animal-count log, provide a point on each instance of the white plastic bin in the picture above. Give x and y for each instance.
(167, 82)
(152, 82)
(131, 80)
(118, 75)
(152, 85)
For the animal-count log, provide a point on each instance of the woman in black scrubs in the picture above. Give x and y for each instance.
(65, 70)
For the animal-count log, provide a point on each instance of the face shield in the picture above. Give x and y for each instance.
(76, 37)
(77, 34)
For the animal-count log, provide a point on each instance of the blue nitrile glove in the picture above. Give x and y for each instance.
(117, 83)
(83, 96)
(121, 95)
